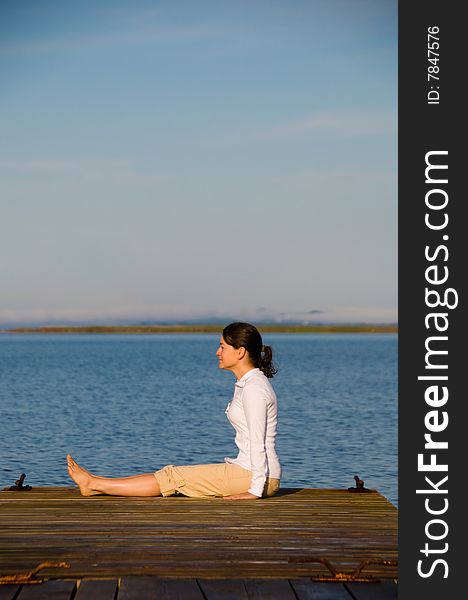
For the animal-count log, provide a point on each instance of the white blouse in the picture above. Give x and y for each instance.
(253, 412)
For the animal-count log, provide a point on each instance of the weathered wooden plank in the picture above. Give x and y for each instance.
(269, 589)
(158, 588)
(106, 536)
(223, 589)
(49, 590)
(384, 590)
(97, 589)
(134, 588)
(310, 590)
(8, 592)
(247, 571)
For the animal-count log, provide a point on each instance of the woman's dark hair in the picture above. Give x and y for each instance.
(245, 335)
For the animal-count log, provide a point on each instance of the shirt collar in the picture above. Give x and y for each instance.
(243, 380)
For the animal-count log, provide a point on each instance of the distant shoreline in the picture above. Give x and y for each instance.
(154, 329)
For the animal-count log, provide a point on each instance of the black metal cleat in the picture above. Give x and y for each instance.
(359, 486)
(19, 487)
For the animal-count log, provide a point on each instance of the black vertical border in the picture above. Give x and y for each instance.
(423, 128)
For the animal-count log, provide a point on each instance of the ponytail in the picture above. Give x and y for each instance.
(266, 362)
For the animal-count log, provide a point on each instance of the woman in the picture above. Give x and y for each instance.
(256, 470)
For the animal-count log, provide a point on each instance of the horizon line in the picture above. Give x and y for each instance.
(208, 328)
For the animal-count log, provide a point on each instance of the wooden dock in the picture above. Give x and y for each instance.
(302, 544)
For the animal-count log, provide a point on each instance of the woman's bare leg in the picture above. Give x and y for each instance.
(90, 485)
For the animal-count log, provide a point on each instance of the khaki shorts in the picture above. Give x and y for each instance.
(198, 481)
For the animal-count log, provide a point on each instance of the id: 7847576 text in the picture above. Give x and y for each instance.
(433, 57)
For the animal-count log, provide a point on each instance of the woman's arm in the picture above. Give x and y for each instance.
(254, 403)
(244, 496)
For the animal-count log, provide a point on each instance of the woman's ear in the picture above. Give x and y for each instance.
(241, 352)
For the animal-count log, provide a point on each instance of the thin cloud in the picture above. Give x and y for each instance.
(36, 315)
(361, 315)
(339, 178)
(123, 169)
(147, 35)
(337, 123)
(121, 14)
(53, 164)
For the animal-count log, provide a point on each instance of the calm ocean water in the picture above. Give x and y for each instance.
(125, 404)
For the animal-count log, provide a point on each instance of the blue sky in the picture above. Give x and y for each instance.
(182, 159)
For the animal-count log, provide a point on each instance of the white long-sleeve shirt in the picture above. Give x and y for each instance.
(253, 412)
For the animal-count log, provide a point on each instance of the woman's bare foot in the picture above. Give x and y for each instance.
(82, 477)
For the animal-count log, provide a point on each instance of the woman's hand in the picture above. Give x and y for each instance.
(243, 496)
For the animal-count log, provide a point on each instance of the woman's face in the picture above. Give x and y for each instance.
(228, 355)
